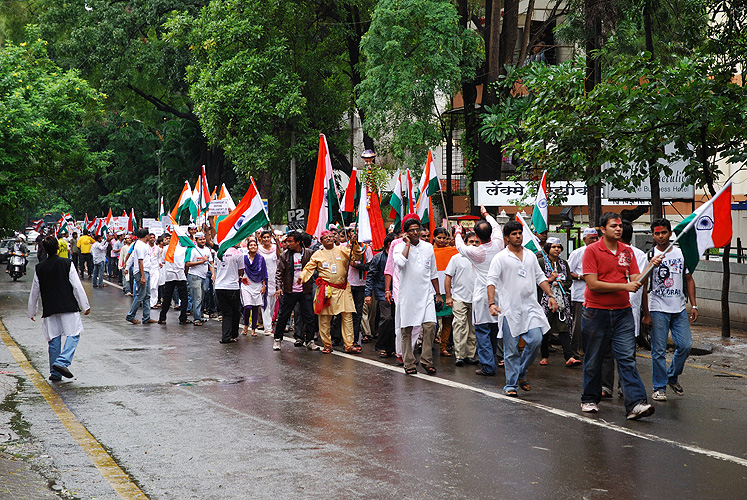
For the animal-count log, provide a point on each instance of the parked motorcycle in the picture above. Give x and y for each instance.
(17, 264)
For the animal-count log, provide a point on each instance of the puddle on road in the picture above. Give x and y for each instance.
(145, 348)
(214, 381)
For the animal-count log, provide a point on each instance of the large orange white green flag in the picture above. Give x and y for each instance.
(203, 193)
(709, 226)
(248, 216)
(529, 241)
(324, 196)
(225, 195)
(539, 215)
(370, 222)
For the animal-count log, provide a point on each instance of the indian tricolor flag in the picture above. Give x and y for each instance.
(539, 215)
(352, 192)
(429, 186)
(225, 195)
(370, 222)
(529, 240)
(708, 227)
(185, 204)
(203, 193)
(241, 223)
(324, 196)
(397, 201)
(410, 194)
(180, 247)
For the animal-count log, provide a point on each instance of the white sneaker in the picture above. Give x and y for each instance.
(659, 396)
(589, 407)
(276, 345)
(641, 410)
(311, 346)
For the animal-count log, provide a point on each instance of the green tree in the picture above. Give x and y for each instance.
(43, 114)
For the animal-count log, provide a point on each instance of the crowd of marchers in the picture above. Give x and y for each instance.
(479, 297)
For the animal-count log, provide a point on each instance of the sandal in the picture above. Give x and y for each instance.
(366, 339)
(524, 385)
(228, 341)
(245, 330)
(352, 350)
(572, 362)
(411, 371)
(430, 370)
(327, 350)
(543, 362)
(383, 354)
(197, 323)
(511, 393)
(161, 322)
(254, 334)
(500, 363)
(446, 354)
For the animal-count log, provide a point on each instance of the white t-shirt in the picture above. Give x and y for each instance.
(575, 265)
(98, 251)
(200, 270)
(297, 268)
(227, 271)
(667, 291)
(462, 278)
(140, 251)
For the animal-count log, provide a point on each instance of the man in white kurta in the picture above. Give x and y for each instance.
(58, 284)
(486, 325)
(418, 283)
(515, 274)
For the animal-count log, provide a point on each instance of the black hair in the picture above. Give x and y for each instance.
(627, 234)
(264, 232)
(511, 226)
(159, 240)
(469, 235)
(142, 232)
(661, 222)
(409, 222)
(608, 216)
(388, 239)
(85, 232)
(483, 230)
(305, 240)
(296, 236)
(440, 230)
(549, 245)
(50, 245)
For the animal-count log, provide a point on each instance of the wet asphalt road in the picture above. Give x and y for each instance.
(187, 417)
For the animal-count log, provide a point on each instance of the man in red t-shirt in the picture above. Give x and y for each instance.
(611, 273)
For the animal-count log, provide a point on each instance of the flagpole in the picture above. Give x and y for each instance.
(689, 226)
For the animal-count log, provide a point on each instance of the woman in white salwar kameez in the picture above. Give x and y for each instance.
(253, 286)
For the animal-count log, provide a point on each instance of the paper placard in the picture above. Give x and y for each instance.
(218, 207)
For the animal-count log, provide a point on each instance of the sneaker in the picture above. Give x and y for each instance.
(659, 396)
(676, 388)
(311, 346)
(459, 362)
(641, 410)
(276, 345)
(589, 407)
(298, 343)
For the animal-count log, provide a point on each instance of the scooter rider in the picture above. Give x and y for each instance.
(19, 247)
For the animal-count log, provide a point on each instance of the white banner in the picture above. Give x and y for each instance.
(153, 226)
(503, 193)
(218, 207)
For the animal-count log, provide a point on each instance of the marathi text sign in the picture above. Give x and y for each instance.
(502, 193)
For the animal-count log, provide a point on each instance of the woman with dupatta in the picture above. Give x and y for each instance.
(253, 286)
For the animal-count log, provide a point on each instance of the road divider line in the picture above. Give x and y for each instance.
(555, 411)
(106, 465)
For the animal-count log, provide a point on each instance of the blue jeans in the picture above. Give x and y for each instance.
(679, 325)
(487, 346)
(63, 358)
(98, 273)
(516, 366)
(141, 298)
(602, 330)
(195, 283)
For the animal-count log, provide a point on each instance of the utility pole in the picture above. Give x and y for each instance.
(293, 173)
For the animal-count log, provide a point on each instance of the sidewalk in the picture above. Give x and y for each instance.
(728, 355)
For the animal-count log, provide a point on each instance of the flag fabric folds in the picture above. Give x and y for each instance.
(428, 186)
(410, 194)
(529, 241)
(397, 200)
(539, 215)
(184, 204)
(324, 196)
(710, 226)
(352, 193)
(370, 222)
(248, 216)
(180, 246)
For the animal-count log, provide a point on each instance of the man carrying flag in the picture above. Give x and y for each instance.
(666, 305)
(177, 253)
(324, 196)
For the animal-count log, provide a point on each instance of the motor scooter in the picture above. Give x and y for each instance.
(17, 263)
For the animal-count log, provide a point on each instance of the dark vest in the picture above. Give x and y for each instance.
(54, 284)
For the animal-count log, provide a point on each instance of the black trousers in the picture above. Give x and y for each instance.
(359, 295)
(86, 261)
(230, 306)
(288, 302)
(385, 327)
(168, 293)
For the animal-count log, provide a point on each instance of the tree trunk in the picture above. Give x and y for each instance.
(213, 158)
(509, 34)
(527, 32)
(653, 170)
(449, 208)
(355, 33)
(725, 284)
